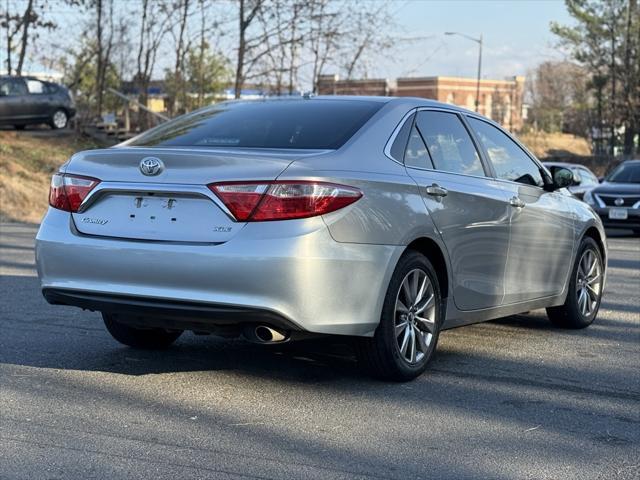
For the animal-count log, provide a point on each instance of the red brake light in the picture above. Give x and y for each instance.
(286, 200)
(68, 191)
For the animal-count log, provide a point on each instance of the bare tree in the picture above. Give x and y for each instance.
(247, 11)
(24, 25)
(367, 32)
(557, 93)
(324, 34)
(281, 38)
(176, 79)
(152, 32)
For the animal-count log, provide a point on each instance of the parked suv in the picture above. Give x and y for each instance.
(29, 101)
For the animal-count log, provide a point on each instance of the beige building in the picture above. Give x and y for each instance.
(501, 100)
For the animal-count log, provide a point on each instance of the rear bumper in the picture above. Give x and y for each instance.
(290, 274)
(168, 313)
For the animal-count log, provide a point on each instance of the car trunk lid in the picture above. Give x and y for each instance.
(172, 202)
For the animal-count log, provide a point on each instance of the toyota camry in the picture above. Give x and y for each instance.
(385, 220)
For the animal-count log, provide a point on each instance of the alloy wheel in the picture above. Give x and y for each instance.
(415, 316)
(588, 282)
(60, 119)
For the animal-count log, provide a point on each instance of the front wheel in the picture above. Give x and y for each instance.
(141, 338)
(406, 338)
(585, 289)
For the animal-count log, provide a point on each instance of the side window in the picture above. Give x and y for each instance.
(12, 87)
(417, 154)
(50, 88)
(449, 143)
(35, 86)
(17, 87)
(508, 159)
(400, 142)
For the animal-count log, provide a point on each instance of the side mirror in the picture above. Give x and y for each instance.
(562, 177)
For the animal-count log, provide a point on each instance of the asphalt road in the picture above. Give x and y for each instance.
(515, 398)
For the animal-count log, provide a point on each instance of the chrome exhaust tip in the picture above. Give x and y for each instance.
(265, 334)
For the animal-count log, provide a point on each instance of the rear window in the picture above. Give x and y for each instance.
(295, 124)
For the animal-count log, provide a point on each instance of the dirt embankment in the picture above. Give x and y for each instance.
(27, 161)
(545, 145)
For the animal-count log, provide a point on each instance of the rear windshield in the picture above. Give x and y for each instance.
(295, 124)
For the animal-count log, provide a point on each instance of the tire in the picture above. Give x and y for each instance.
(59, 119)
(141, 338)
(19, 127)
(579, 311)
(383, 355)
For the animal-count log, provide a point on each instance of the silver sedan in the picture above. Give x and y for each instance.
(383, 219)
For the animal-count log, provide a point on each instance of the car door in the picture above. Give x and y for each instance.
(469, 209)
(542, 222)
(39, 100)
(13, 103)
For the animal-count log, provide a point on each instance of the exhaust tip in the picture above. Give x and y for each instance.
(265, 334)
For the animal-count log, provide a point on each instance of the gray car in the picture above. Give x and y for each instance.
(386, 220)
(30, 101)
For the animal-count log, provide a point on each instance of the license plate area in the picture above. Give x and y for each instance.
(152, 209)
(618, 213)
(157, 216)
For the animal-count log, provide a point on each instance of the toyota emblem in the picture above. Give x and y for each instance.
(151, 166)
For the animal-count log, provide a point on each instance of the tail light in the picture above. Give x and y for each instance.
(68, 191)
(286, 200)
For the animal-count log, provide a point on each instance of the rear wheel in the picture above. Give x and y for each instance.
(585, 289)
(406, 338)
(142, 338)
(59, 119)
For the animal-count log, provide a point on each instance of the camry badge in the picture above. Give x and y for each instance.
(619, 201)
(151, 166)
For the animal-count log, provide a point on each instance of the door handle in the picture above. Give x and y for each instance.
(516, 202)
(436, 190)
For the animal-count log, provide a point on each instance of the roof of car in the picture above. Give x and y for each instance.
(411, 102)
(26, 77)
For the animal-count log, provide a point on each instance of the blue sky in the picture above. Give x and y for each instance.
(516, 37)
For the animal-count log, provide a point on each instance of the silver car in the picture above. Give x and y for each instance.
(386, 220)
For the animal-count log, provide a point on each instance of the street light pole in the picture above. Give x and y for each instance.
(479, 74)
(479, 42)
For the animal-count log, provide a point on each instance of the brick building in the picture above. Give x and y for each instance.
(501, 100)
